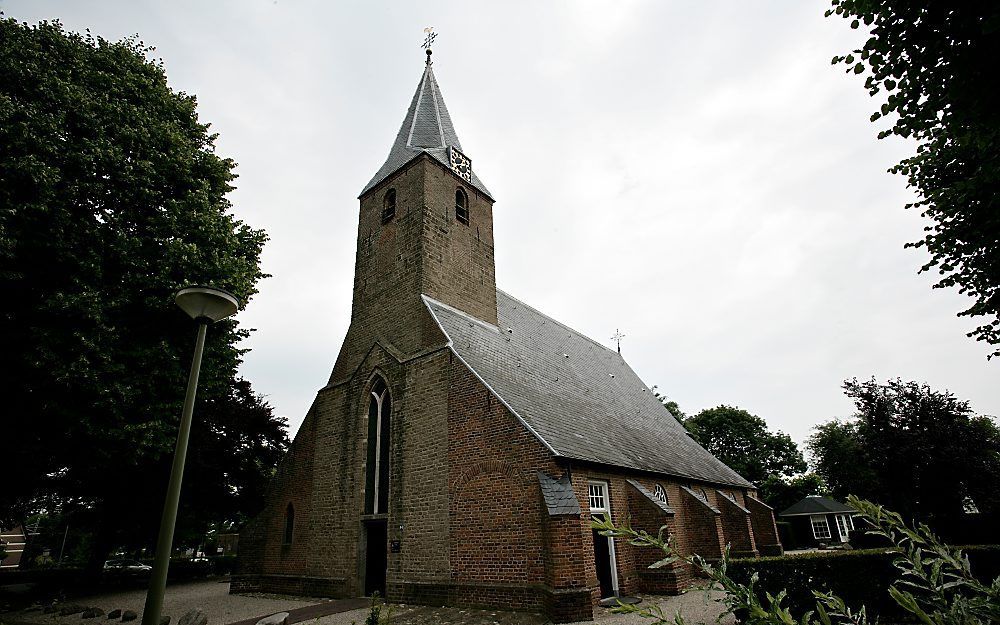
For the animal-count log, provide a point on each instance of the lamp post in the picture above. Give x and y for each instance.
(206, 305)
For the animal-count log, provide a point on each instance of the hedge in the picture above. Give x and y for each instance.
(860, 577)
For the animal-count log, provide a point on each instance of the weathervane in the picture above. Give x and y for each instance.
(617, 338)
(429, 37)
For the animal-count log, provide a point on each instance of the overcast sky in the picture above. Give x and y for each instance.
(695, 174)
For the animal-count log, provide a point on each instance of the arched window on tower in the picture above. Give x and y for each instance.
(289, 523)
(377, 465)
(462, 206)
(389, 206)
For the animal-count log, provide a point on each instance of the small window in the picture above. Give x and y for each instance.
(289, 524)
(820, 527)
(598, 496)
(660, 494)
(389, 206)
(462, 206)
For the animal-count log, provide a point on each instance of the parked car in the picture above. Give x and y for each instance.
(127, 566)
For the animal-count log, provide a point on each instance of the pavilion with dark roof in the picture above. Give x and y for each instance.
(464, 441)
(817, 520)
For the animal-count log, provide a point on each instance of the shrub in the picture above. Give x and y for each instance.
(933, 582)
(858, 577)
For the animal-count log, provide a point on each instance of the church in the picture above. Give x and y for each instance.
(465, 440)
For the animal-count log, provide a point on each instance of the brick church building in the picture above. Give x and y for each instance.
(465, 440)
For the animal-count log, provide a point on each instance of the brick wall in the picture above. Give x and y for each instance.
(495, 512)
(764, 528)
(736, 529)
(645, 515)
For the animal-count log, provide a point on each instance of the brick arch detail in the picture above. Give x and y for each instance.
(485, 468)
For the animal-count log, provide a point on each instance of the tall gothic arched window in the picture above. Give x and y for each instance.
(377, 466)
(462, 206)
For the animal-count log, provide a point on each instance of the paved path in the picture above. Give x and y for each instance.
(224, 609)
(211, 596)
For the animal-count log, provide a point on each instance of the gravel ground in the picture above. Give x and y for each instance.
(222, 609)
(695, 607)
(212, 597)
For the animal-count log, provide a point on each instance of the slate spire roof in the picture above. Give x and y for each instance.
(427, 129)
(579, 398)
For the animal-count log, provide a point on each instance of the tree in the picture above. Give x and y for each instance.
(111, 198)
(743, 441)
(936, 63)
(670, 405)
(780, 493)
(920, 451)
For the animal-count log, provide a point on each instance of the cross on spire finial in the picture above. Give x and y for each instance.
(617, 338)
(429, 37)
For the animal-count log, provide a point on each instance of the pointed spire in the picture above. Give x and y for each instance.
(427, 128)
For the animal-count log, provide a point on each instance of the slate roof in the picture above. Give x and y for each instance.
(578, 397)
(558, 495)
(814, 504)
(427, 128)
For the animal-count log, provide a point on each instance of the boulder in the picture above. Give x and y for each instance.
(93, 613)
(281, 618)
(70, 609)
(116, 613)
(129, 615)
(193, 617)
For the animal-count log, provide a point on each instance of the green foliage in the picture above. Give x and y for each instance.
(743, 441)
(111, 198)
(671, 406)
(916, 450)
(375, 612)
(780, 493)
(934, 66)
(932, 581)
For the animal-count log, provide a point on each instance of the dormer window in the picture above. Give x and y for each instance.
(389, 206)
(462, 206)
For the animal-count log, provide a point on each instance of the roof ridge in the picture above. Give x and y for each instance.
(561, 324)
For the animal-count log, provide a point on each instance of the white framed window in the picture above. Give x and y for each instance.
(843, 529)
(660, 494)
(598, 496)
(820, 526)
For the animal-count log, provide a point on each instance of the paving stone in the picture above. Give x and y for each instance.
(193, 617)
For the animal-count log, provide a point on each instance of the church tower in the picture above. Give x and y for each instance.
(425, 228)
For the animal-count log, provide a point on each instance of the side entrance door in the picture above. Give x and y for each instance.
(376, 560)
(604, 546)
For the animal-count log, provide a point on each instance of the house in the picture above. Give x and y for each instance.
(816, 520)
(465, 440)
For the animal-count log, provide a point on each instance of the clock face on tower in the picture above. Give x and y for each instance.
(460, 164)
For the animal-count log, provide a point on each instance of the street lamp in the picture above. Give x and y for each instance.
(206, 305)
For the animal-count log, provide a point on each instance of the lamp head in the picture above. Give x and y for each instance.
(207, 302)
